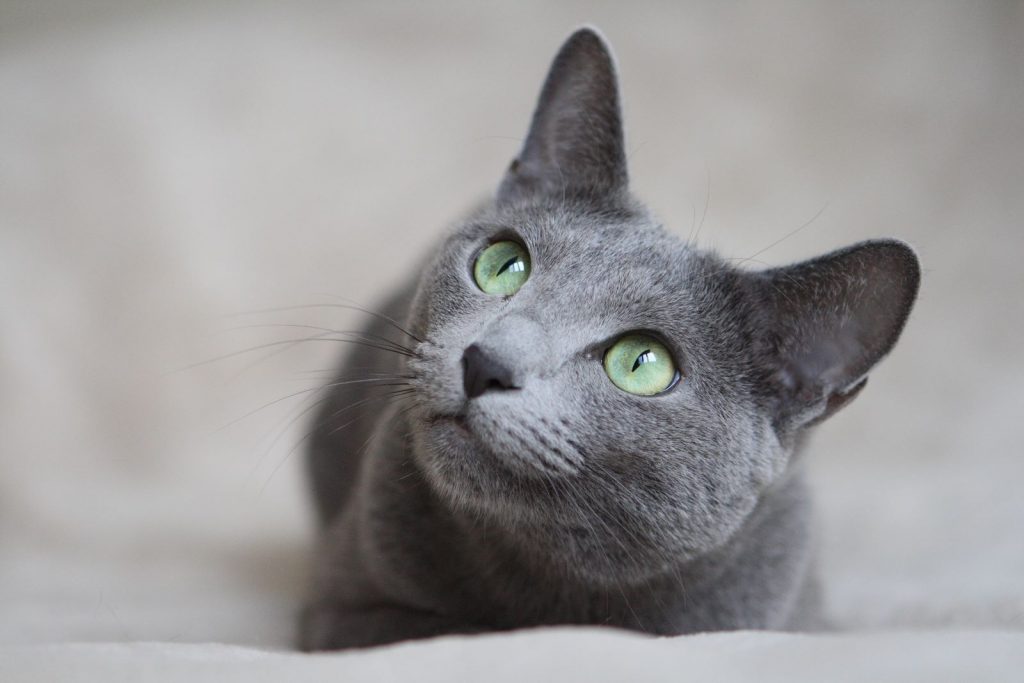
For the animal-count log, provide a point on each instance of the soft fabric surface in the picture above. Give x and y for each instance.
(163, 171)
(550, 655)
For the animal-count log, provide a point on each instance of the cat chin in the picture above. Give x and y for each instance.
(475, 477)
(476, 457)
(482, 442)
(554, 516)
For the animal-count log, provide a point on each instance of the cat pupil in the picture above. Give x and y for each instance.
(645, 357)
(513, 265)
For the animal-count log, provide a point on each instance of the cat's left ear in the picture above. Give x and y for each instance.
(832, 319)
(575, 143)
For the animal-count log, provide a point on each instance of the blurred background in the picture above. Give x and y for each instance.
(170, 172)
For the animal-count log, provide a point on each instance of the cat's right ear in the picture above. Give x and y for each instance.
(575, 144)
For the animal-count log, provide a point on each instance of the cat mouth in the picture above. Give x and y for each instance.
(520, 451)
(457, 421)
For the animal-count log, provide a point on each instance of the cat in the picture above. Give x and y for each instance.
(585, 419)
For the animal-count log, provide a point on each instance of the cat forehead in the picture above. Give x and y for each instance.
(617, 248)
(613, 270)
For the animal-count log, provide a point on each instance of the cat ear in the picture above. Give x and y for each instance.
(835, 317)
(575, 143)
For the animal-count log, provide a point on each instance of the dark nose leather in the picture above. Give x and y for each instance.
(481, 373)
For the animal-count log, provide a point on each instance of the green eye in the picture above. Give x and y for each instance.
(640, 364)
(502, 268)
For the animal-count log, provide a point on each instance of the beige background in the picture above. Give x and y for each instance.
(164, 169)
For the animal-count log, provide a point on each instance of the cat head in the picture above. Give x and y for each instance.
(612, 396)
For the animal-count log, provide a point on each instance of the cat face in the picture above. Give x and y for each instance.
(607, 394)
(562, 443)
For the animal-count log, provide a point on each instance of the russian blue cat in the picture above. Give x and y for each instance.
(584, 419)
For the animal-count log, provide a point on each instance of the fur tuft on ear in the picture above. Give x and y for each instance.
(575, 143)
(834, 318)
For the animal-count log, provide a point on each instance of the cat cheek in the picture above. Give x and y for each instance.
(437, 390)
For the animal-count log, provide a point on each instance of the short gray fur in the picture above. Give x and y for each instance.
(568, 500)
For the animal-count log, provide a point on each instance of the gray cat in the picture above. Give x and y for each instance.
(587, 420)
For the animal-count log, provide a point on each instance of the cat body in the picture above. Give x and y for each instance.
(520, 477)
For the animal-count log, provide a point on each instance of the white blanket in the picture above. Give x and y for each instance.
(591, 655)
(162, 170)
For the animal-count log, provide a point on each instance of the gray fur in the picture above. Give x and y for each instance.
(567, 500)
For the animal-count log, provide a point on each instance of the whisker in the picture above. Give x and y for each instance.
(302, 440)
(364, 401)
(392, 396)
(350, 307)
(707, 204)
(786, 236)
(267, 356)
(363, 370)
(378, 381)
(329, 330)
(292, 342)
(324, 335)
(282, 429)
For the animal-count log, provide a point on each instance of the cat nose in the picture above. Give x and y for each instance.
(482, 373)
